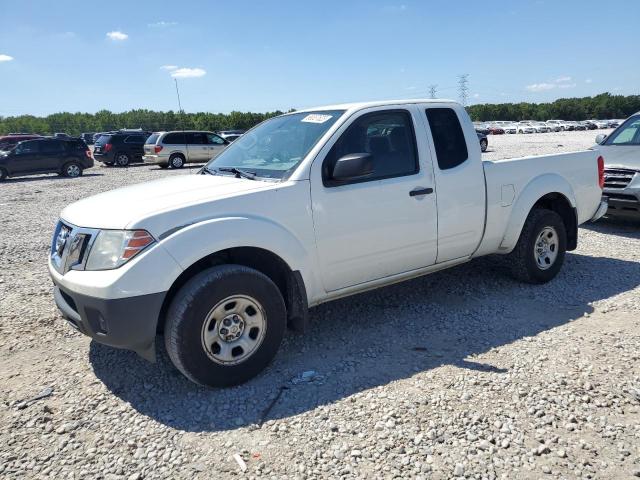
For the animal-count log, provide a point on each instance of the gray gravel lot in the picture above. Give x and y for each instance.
(464, 373)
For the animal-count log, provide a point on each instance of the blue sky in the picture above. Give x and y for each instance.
(85, 55)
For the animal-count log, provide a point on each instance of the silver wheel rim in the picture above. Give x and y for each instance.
(73, 170)
(122, 160)
(176, 162)
(234, 329)
(546, 248)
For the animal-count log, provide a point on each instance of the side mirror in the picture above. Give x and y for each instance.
(600, 138)
(354, 166)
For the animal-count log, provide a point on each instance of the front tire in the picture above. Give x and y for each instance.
(225, 325)
(540, 251)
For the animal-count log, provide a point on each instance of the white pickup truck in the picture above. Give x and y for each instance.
(305, 208)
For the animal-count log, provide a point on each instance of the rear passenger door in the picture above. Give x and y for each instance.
(53, 155)
(384, 224)
(216, 144)
(459, 181)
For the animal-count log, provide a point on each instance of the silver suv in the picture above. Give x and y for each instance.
(174, 149)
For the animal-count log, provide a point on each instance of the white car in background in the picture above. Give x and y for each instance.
(556, 125)
(541, 127)
(525, 127)
(508, 127)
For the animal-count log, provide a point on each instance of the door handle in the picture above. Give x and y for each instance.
(420, 191)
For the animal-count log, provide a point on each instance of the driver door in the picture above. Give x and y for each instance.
(384, 224)
(26, 158)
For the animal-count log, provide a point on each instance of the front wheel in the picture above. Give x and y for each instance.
(225, 325)
(176, 161)
(483, 145)
(540, 251)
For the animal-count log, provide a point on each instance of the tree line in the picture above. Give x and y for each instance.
(603, 106)
(104, 121)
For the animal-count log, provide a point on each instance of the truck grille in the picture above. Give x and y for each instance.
(617, 177)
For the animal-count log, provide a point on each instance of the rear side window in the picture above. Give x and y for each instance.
(153, 138)
(215, 139)
(103, 139)
(448, 137)
(176, 138)
(196, 138)
(51, 147)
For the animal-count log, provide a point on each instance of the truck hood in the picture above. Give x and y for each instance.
(118, 209)
(616, 156)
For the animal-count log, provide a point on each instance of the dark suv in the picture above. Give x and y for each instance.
(120, 148)
(68, 157)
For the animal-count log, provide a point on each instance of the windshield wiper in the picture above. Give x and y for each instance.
(239, 173)
(206, 171)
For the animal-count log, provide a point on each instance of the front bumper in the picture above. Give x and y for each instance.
(128, 323)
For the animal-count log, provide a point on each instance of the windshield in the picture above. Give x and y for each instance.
(276, 147)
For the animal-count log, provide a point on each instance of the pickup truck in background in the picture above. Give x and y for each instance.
(305, 208)
(621, 149)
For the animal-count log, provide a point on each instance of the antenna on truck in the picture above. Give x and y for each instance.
(184, 135)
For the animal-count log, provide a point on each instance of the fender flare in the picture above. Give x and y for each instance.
(531, 193)
(193, 242)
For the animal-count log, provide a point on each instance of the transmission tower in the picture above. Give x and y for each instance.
(463, 88)
(432, 91)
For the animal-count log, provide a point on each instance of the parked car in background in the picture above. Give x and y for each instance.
(88, 138)
(495, 129)
(621, 151)
(225, 133)
(524, 127)
(7, 142)
(578, 126)
(61, 135)
(174, 149)
(232, 137)
(484, 141)
(613, 123)
(540, 127)
(68, 157)
(481, 128)
(556, 125)
(590, 124)
(121, 148)
(510, 128)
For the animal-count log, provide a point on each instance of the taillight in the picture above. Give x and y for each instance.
(157, 148)
(107, 147)
(601, 171)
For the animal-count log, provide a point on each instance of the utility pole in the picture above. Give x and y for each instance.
(463, 88)
(432, 91)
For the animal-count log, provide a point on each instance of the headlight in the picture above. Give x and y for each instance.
(114, 248)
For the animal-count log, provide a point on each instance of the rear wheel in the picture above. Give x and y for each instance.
(72, 170)
(540, 251)
(225, 325)
(176, 161)
(483, 145)
(122, 159)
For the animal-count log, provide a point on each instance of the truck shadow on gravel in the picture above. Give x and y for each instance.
(622, 227)
(372, 339)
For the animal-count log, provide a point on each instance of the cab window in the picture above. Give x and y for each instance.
(390, 139)
(448, 137)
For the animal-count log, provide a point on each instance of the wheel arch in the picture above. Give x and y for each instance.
(289, 282)
(549, 191)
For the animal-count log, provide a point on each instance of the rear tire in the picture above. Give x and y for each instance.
(71, 170)
(122, 159)
(483, 145)
(540, 251)
(176, 161)
(196, 335)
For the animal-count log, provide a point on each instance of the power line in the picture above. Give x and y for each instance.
(463, 88)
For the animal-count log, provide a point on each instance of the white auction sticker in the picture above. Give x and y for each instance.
(316, 118)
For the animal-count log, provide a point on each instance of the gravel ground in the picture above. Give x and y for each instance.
(464, 373)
